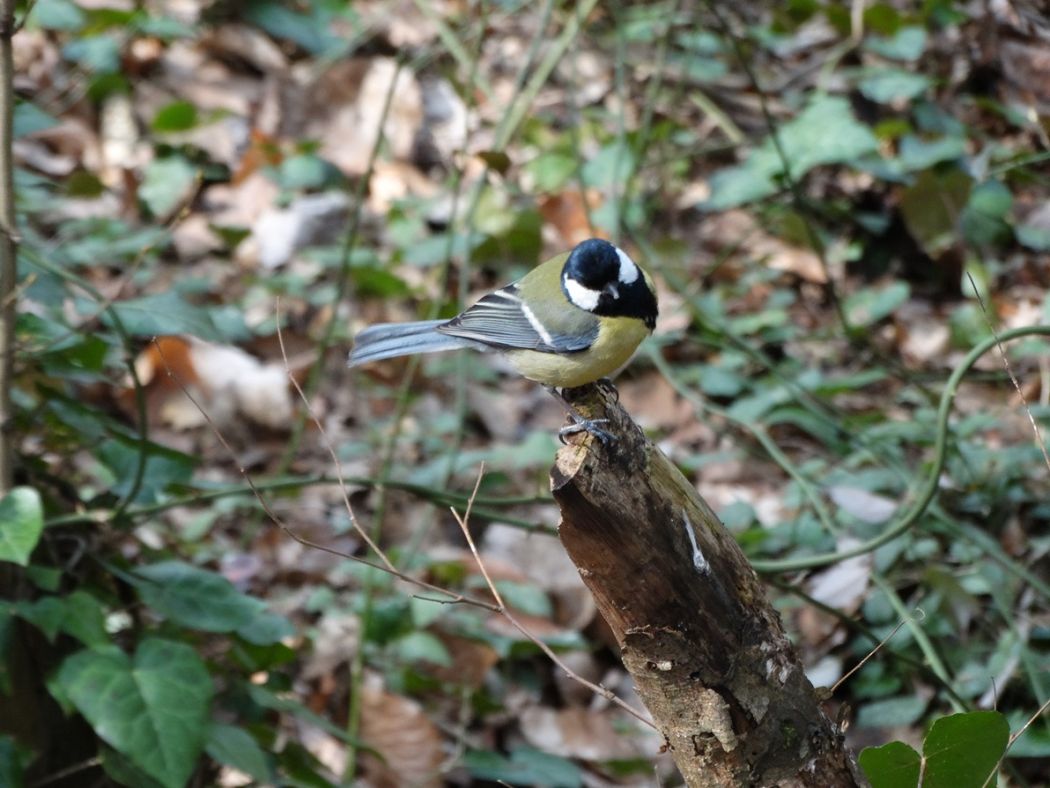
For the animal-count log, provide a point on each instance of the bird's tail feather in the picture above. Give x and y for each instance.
(387, 340)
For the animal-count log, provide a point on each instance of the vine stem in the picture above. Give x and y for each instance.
(927, 489)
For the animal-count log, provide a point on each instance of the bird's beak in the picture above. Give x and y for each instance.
(612, 290)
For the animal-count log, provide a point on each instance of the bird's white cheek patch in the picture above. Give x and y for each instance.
(583, 297)
(628, 270)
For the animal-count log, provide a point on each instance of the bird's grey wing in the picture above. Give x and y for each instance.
(502, 320)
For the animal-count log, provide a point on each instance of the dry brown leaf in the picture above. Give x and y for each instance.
(193, 237)
(248, 43)
(737, 228)
(471, 661)
(262, 150)
(1026, 66)
(843, 585)
(397, 728)
(205, 82)
(240, 204)
(278, 233)
(336, 637)
(395, 180)
(347, 109)
(567, 211)
(229, 384)
(654, 403)
(577, 733)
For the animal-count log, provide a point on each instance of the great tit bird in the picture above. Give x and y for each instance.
(572, 320)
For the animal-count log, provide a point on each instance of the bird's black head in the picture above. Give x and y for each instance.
(604, 280)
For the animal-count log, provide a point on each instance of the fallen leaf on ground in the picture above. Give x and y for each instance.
(230, 384)
(398, 729)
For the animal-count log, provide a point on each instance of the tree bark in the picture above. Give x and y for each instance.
(8, 236)
(706, 649)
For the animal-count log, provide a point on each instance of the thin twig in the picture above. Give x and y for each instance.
(502, 610)
(1038, 435)
(870, 654)
(276, 520)
(342, 279)
(470, 540)
(1013, 738)
(69, 771)
(328, 445)
(451, 597)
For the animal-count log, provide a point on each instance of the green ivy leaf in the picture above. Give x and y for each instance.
(1034, 236)
(871, 304)
(98, 53)
(903, 710)
(235, 747)
(195, 597)
(886, 85)
(961, 750)
(152, 707)
(422, 646)
(907, 43)
(526, 766)
(552, 170)
(918, 153)
(29, 118)
(306, 171)
(58, 15)
(164, 467)
(310, 31)
(21, 523)
(266, 629)
(176, 116)
(162, 314)
(79, 614)
(826, 132)
(893, 765)
(611, 166)
(984, 220)
(166, 184)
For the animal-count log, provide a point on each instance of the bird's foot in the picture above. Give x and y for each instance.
(581, 423)
(590, 426)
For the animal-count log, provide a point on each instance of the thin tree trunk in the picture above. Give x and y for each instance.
(706, 649)
(8, 250)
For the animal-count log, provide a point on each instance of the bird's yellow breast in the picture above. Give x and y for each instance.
(618, 338)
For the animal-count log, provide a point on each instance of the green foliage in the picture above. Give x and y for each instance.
(825, 132)
(525, 766)
(960, 751)
(235, 747)
(893, 765)
(152, 707)
(165, 313)
(166, 184)
(194, 597)
(869, 184)
(21, 523)
(176, 116)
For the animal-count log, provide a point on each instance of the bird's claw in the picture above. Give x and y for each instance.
(589, 426)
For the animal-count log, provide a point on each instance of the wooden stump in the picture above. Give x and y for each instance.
(706, 649)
